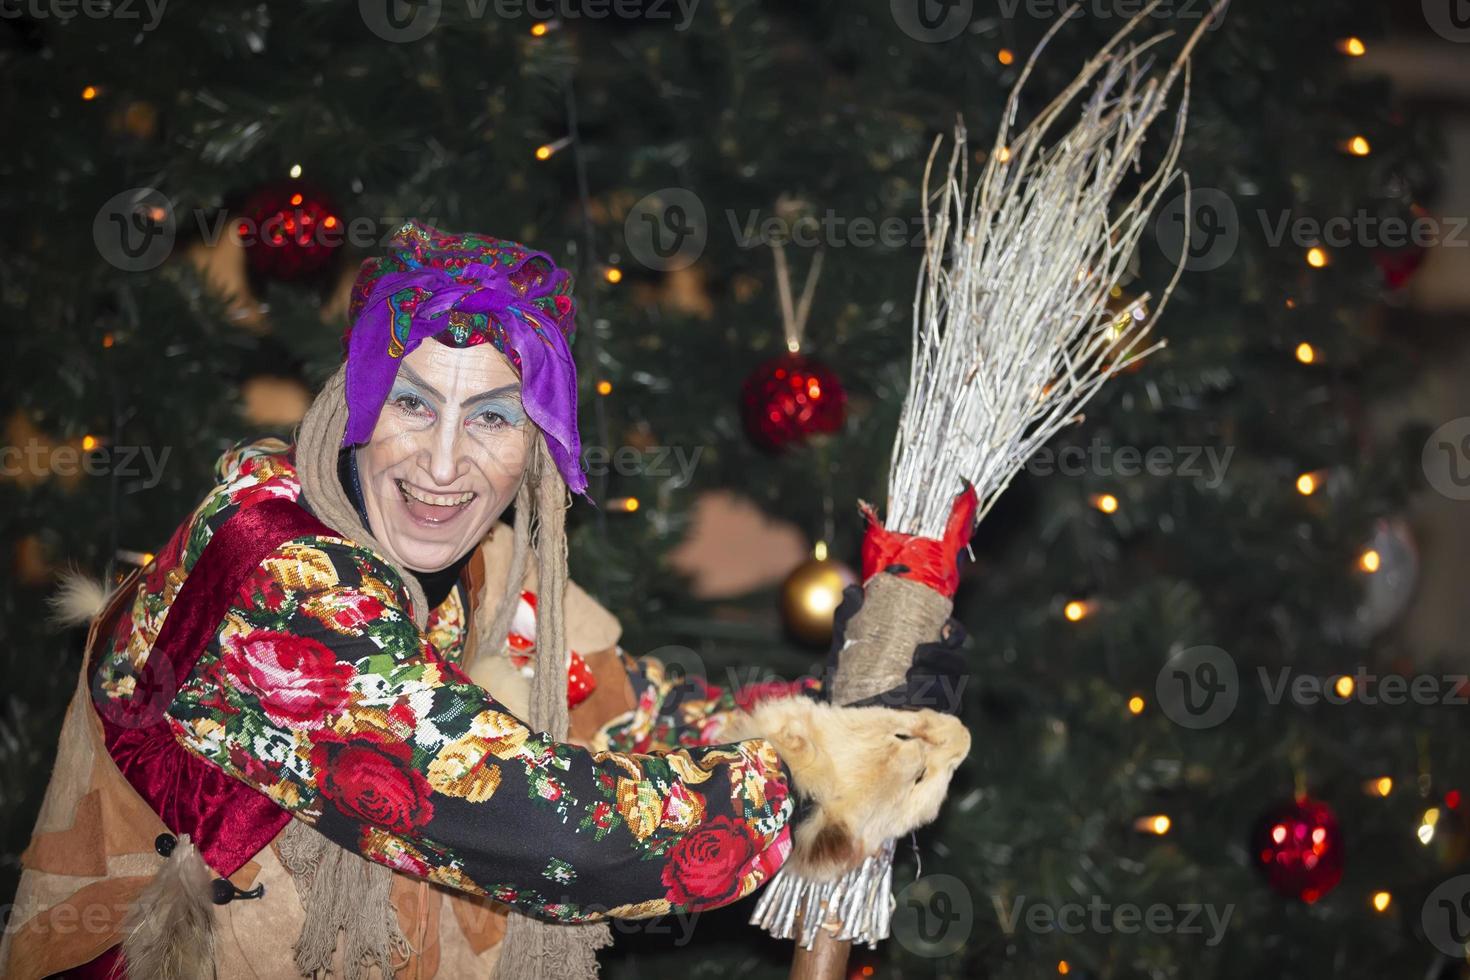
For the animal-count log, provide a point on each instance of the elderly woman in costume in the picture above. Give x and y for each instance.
(304, 740)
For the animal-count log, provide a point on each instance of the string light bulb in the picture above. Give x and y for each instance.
(1005, 56)
(819, 551)
(1157, 824)
(1344, 686)
(604, 387)
(1358, 146)
(1105, 502)
(1308, 483)
(1353, 47)
(1317, 257)
(1135, 705)
(295, 171)
(1381, 901)
(547, 150)
(625, 504)
(108, 340)
(1306, 353)
(1077, 610)
(1382, 786)
(1427, 824)
(613, 274)
(540, 29)
(1063, 967)
(1370, 561)
(89, 93)
(90, 442)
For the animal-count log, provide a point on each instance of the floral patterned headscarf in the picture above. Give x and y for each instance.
(464, 290)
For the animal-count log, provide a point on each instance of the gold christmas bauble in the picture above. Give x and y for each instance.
(809, 597)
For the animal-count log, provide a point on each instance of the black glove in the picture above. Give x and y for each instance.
(936, 677)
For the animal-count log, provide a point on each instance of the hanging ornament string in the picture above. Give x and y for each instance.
(790, 398)
(794, 317)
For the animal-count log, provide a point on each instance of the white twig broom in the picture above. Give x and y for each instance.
(1012, 335)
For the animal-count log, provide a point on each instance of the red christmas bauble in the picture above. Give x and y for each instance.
(1298, 847)
(789, 399)
(289, 230)
(1398, 265)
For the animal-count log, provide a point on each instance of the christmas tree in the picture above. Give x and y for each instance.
(1177, 613)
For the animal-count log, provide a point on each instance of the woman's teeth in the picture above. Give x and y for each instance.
(411, 492)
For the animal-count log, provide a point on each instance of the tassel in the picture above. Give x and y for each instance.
(78, 599)
(170, 928)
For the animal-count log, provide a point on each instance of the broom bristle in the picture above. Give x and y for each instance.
(1013, 332)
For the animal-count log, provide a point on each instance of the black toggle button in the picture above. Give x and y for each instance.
(225, 892)
(164, 844)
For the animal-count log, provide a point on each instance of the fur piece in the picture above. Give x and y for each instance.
(78, 599)
(872, 773)
(170, 928)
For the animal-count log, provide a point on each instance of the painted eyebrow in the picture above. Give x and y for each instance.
(419, 382)
(509, 389)
(514, 388)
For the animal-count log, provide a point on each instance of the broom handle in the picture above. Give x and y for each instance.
(897, 615)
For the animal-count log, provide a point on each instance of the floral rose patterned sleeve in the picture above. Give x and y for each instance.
(322, 693)
(678, 711)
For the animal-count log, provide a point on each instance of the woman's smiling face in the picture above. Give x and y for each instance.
(447, 455)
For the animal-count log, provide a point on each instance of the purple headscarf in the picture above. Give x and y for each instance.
(464, 290)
